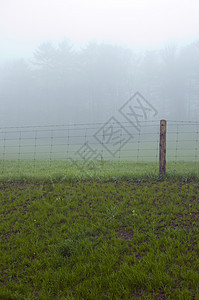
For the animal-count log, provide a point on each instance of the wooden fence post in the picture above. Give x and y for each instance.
(162, 148)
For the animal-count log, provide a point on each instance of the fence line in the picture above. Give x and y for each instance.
(99, 143)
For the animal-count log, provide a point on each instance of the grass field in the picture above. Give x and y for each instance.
(111, 231)
(56, 170)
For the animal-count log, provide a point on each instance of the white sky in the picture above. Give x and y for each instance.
(24, 24)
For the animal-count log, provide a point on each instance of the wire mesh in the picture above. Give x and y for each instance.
(182, 147)
(96, 149)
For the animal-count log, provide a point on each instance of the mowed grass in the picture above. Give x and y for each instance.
(115, 239)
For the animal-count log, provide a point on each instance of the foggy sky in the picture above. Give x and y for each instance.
(84, 58)
(24, 24)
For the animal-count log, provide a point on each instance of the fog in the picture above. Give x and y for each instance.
(79, 62)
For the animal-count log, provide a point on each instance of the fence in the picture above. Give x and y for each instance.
(99, 148)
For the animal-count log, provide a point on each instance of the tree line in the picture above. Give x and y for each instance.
(60, 84)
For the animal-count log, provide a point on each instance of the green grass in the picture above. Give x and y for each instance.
(96, 239)
(57, 170)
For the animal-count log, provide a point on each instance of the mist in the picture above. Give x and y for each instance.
(85, 75)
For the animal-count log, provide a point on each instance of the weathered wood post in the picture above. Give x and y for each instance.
(162, 148)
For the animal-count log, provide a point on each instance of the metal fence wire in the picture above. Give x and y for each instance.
(78, 147)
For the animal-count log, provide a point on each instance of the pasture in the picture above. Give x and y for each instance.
(60, 170)
(116, 234)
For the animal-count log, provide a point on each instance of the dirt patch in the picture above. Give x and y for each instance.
(125, 235)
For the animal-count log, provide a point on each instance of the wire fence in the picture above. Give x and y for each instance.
(112, 148)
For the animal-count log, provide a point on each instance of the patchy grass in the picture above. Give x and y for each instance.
(99, 240)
